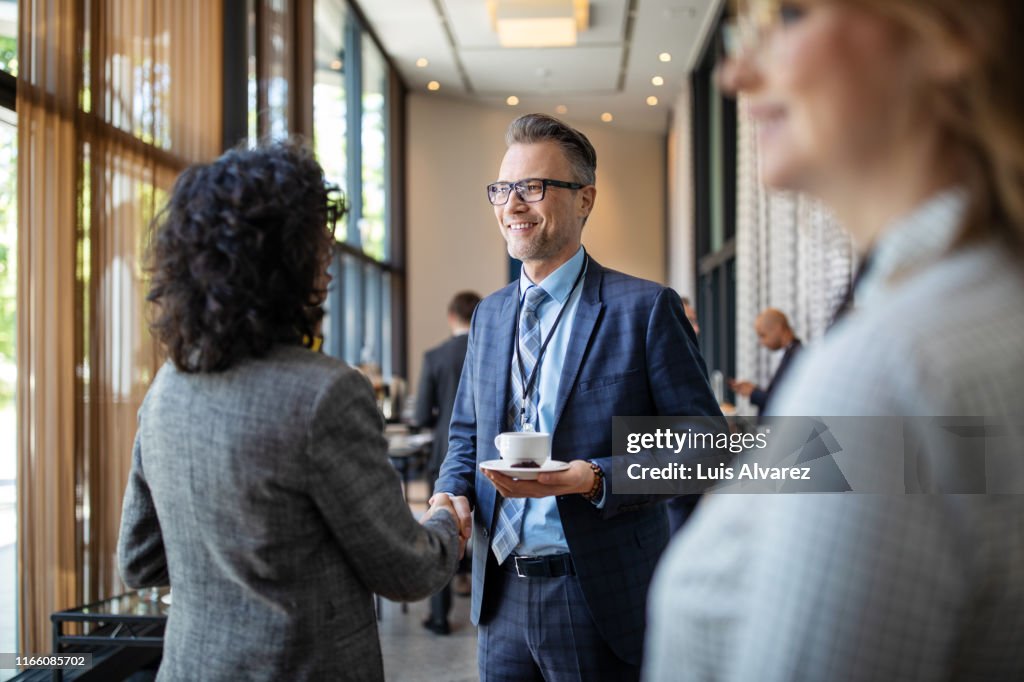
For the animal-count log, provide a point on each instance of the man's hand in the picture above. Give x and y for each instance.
(578, 478)
(438, 502)
(744, 388)
(460, 509)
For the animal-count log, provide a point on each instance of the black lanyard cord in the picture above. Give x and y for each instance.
(528, 382)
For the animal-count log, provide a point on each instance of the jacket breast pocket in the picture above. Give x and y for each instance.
(596, 383)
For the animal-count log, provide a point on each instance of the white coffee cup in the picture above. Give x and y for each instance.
(517, 447)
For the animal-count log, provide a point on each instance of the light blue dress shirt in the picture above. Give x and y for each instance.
(542, 525)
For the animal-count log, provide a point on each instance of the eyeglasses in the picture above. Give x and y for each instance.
(750, 31)
(336, 206)
(529, 190)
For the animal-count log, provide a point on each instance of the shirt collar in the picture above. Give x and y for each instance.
(558, 284)
(912, 242)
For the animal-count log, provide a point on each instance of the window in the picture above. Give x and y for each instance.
(714, 146)
(352, 139)
(272, 47)
(372, 222)
(8, 331)
(103, 129)
(330, 112)
(8, 381)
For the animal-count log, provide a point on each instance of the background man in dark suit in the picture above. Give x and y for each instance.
(561, 565)
(774, 333)
(439, 380)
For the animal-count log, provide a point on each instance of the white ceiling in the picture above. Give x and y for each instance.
(609, 70)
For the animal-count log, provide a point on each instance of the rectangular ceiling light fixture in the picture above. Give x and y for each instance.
(539, 23)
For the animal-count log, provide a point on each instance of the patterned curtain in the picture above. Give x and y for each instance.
(791, 254)
(114, 98)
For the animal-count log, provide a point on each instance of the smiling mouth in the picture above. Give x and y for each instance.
(519, 227)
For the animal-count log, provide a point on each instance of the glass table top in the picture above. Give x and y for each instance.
(147, 602)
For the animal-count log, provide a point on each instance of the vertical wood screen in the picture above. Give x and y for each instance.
(115, 97)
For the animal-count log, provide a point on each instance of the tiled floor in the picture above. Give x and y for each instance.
(414, 654)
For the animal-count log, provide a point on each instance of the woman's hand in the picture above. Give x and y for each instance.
(458, 507)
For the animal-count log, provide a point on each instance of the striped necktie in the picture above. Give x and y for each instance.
(510, 513)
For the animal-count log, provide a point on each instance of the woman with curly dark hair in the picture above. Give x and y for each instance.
(238, 257)
(260, 488)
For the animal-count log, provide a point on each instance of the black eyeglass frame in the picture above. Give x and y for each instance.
(337, 206)
(519, 188)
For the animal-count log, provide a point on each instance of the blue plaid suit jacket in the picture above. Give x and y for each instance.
(631, 352)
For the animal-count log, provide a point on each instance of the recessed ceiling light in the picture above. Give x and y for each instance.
(422, 62)
(561, 109)
(665, 57)
(336, 65)
(512, 100)
(652, 101)
(607, 118)
(433, 85)
(657, 81)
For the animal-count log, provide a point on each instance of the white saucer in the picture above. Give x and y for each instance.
(503, 467)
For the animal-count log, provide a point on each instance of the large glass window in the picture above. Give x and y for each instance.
(274, 99)
(8, 380)
(372, 222)
(351, 129)
(714, 145)
(9, 36)
(8, 302)
(330, 118)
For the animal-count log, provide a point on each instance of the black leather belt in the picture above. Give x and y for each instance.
(552, 566)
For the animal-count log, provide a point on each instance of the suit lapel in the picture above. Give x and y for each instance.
(504, 328)
(583, 327)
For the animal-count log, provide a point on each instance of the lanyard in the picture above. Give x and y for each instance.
(527, 383)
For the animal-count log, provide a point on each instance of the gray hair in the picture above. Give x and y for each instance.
(534, 128)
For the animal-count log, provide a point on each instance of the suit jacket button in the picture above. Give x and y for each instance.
(485, 533)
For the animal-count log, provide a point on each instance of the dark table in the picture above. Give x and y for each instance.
(124, 634)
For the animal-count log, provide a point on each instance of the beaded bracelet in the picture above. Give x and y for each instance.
(595, 490)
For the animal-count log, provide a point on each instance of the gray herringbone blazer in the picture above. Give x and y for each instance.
(264, 496)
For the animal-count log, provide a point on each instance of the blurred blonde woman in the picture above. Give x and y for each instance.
(906, 117)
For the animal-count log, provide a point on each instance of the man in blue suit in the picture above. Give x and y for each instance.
(561, 565)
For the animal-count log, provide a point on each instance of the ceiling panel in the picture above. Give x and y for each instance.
(410, 29)
(553, 70)
(456, 37)
(471, 23)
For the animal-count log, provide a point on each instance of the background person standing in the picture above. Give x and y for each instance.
(435, 397)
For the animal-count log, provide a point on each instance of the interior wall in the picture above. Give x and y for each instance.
(682, 233)
(454, 149)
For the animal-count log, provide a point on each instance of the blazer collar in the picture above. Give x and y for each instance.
(505, 326)
(587, 316)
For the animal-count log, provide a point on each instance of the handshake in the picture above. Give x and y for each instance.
(458, 507)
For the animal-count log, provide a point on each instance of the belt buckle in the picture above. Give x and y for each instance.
(515, 558)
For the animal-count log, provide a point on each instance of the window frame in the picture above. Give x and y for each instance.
(714, 173)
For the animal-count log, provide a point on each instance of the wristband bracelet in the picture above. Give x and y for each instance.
(595, 490)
